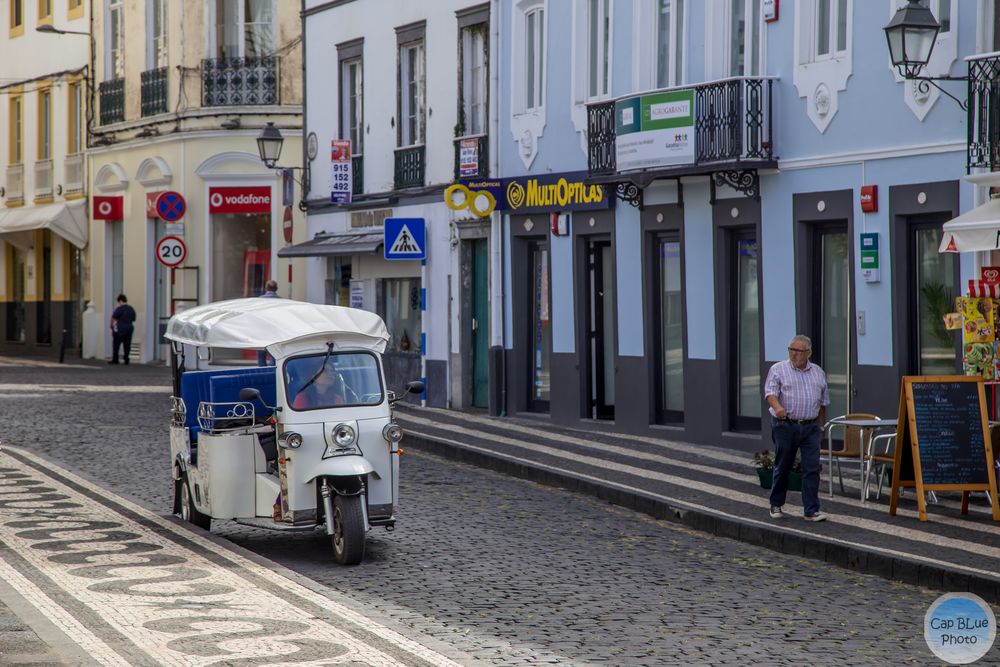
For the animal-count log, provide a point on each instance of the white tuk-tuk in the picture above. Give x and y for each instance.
(308, 441)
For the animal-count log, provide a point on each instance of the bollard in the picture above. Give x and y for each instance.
(62, 345)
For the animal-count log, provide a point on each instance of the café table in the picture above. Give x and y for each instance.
(867, 426)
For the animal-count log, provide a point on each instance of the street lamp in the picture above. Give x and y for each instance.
(911, 35)
(269, 145)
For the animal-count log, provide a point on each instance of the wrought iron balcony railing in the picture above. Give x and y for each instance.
(43, 179)
(15, 184)
(983, 148)
(732, 127)
(73, 173)
(154, 91)
(357, 174)
(239, 81)
(472, 157)
(112, 93)
(409, 168)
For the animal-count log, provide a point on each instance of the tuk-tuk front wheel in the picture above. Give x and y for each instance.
(189, 512)
(348, 530)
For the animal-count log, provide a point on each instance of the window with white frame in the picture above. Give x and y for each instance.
(472, 87)
(744, 38)
(45, 124)
(74, 142)
(598, 48)
(156, 34)
(115, 36)
(831, 28)
(941, 9)
(669, 43)
(534, 59)
(244, 28)
(411, 93)
(352, 104)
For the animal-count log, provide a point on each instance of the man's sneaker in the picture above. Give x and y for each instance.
(776, 513)
(818, 516)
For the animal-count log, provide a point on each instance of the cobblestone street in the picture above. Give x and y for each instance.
(504, 570)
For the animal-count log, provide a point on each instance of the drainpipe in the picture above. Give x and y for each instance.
(497, 260)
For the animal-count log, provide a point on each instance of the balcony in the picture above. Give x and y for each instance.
(732, 135)
(15, 184)
(112, 94)
(73, 174)
(154, 91)
(239, 81)
(357, 175)
(472, 157)
(43, 179)
(409, 168)
(983, 150)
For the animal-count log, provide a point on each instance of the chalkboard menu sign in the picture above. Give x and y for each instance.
(942, 440)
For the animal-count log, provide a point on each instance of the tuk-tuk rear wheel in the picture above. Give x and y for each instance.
(348, 537)
(189, 512)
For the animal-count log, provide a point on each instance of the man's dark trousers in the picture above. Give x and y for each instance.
(789, 438)
(123, 338)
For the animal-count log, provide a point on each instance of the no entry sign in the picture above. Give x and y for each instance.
(170, 206)
(171, 251)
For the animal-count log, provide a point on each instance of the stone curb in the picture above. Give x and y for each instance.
(894, 568)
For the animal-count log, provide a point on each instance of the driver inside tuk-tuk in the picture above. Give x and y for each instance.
(326, 390)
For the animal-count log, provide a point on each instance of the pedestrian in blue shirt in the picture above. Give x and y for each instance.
(122, 327)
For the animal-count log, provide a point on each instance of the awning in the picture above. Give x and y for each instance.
(340, 243)
(979, 229)
(68, 220)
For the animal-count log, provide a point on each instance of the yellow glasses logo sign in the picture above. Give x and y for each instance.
(479, 202)
(515, 194)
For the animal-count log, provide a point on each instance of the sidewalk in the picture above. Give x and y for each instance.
(717, 490)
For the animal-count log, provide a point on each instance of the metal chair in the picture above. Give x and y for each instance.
(881, 459)
(852, 448)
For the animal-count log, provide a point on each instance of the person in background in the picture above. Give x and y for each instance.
(122, 326)
(797, 395)
(270, 292)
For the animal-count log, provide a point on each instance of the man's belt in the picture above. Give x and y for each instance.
(800, 422)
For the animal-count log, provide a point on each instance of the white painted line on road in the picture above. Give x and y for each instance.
(92, 388)
(734, 495)
(39, 363)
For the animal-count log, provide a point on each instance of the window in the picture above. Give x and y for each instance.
(16, 17)
(473, 84)
(669, 43)
(744, 38)
(339, 380)
(74, 139)
(352, 104)
(401, 299)
(534, 66)
(16, 130)
(941, 9)
(831, 27)
(244, 28)
(45, 11)
(598, 48)
(116, 40)
(670, 320)
(45, 124)
(156, 32)
(411, 93)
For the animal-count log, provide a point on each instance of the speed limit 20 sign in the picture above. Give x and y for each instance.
(171, 251)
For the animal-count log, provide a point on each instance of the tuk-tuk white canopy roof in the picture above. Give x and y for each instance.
(279, 325)
(978, 229)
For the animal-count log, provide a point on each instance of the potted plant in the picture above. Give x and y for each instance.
(763, 461)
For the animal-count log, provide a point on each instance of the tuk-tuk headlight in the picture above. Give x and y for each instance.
(392, 433)
(291, 440)
(344, 435)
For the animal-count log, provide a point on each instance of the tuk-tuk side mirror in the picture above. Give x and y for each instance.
(250, 393)
(415, 387)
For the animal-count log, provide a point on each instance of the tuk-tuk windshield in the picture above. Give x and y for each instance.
(340, 379)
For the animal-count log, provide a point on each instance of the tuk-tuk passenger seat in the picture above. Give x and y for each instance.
(223, 386)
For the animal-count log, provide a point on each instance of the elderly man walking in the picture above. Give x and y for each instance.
(797, 394)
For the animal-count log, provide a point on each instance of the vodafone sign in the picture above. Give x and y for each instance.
(107, 208)
(240, 199)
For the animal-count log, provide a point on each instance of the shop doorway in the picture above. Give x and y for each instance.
(931, 281)
(669, 314)
(831, 321)
(600, 304)
(15, 307)
(43, 314)
(540, 328)
(745, 384)
(480, 322)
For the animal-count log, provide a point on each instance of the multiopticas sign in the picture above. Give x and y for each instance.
(239, 199)
(563, 192)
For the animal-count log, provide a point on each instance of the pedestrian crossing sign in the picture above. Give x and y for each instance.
(405, 238)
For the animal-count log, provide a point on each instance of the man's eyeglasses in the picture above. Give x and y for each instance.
(795, 349)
